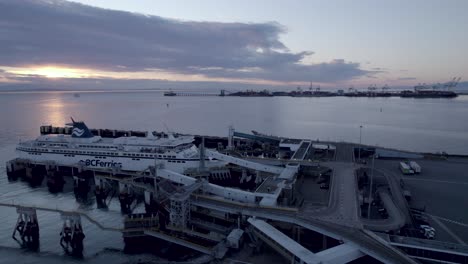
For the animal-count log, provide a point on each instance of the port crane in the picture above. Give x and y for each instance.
(447, 86)
(371, 89)
(453, 83)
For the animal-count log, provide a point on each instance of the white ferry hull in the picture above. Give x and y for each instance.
(108, 162)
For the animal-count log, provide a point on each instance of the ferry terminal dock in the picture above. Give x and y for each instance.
(341, 156)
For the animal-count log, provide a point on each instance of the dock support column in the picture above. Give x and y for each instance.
(179, 214)
(15, 168)
(101, 192)
(80, 185)
(258, 178)
(244, 175)
(201, 166)
(148, 202)
(324, 242)
(11, 168)
(125, 198)
(35, 174)
(27, 226)
(298, 230)
(230, 138)
(72, 236)
(55, 181)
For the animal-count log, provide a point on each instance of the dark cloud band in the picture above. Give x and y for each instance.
(67, 33)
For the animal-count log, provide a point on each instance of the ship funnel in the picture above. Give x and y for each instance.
(80, 130)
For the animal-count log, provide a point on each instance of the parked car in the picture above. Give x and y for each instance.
(322, 180)
(428, 231)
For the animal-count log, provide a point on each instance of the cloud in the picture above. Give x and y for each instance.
(380, 69)
(407, 78)
(55, 32)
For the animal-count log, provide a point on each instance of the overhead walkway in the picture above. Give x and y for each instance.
(289, 248)
(65, 211)
(366, 241)
(257, 137)
(243, 162)
(179, 241)
(295, 252)
(191, 184)
(301, 152)
(340, 254)
(289, 171)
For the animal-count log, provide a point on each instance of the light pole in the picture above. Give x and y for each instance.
(370, 191)
(360, 140)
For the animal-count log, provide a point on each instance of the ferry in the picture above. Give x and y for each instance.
(176, 153)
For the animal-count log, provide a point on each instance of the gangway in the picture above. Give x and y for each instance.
(296, 253)
(244, 163)
(367, 241)
(301, 152)
(257, 137)
(224, 192)
(289, 172)
(179, 241)
(57, 209)
(217, 251)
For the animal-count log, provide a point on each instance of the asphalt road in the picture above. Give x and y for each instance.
(442, 187)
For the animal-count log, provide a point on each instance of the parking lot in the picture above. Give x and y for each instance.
(320, 153)
(442, 187)
(311, 183)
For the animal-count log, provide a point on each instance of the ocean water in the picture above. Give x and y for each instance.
(412, 124)
(427, 125)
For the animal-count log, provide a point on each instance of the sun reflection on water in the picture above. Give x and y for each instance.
(53, 110)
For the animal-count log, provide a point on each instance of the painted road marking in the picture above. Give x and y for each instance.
(447, 220)
(436, 181)
(459, 240)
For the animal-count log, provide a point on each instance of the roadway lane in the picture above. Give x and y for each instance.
(367, 242)
(343, 204)
(395, 219)
(441, 187)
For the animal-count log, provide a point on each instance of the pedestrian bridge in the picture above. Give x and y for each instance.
(296, 253)
(302, 151)
(244, 163)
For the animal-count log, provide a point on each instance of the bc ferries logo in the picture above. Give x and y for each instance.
(99, 163)
(78, 132)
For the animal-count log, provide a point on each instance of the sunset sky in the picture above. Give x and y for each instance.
(203, 44)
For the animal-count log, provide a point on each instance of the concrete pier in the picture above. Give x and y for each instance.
(72, 235)
(27, 227)
(198, 208)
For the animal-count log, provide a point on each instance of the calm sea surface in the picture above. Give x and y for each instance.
(427, 125)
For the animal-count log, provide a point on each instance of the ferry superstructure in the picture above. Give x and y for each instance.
(125, 153)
